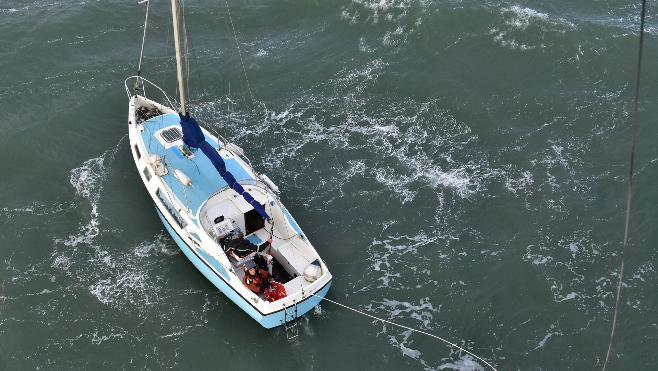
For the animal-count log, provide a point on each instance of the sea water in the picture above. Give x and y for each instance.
(461, 166)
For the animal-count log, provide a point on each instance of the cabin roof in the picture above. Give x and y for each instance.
(205, 178)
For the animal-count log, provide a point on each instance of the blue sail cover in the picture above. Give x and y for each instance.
(193, 137)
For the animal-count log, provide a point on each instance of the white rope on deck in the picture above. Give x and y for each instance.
(408, 328)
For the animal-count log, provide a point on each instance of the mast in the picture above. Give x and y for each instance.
(179, 66)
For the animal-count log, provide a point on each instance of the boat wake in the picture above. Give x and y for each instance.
(369, 154)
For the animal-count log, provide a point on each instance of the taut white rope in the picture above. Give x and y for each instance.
(408, 328)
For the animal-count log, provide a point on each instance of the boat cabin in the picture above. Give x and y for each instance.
(225, 213)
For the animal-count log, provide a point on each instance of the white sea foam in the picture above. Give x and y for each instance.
(543, 341)
(36, 208)
(422, 138)
(566, 263)
(98, 339)
(464, 363)
(356, 81)
(387, 253)
(523, 16)
(646, 269)
(159, 245)
(87, 181)
(128, 281)
(538, 259)
(408, 148)
(569, 296)
(422, 312)
(119, 279)
(364, 46)
(458, 179)
(112, 290)
(62, 262)
(521, 183)
(400, 19)
(515, 23)
(388, 10)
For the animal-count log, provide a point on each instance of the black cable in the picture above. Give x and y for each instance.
(630, 182)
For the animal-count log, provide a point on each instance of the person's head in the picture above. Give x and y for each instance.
(250, 267)
(239, 234)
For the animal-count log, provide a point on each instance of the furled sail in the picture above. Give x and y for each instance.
(193, 137)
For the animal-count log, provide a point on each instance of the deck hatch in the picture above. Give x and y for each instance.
(171, 135)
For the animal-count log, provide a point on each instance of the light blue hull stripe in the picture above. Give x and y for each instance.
(292, 222)
(215, 264)
(269, 321)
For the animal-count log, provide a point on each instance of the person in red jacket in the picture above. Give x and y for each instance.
(257, 280)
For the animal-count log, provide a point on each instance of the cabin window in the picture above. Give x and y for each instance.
(253, 221)
(137, 153)
(171, 209)
(147, 174)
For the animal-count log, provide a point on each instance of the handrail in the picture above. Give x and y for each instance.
(270, 192)
(125, 84)
(173, 106)
(254, 182)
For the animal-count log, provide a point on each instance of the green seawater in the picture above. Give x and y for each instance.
(461, 166)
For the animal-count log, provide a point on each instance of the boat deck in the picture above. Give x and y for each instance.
(202, 186)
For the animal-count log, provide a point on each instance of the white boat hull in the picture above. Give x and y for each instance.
(187, 214)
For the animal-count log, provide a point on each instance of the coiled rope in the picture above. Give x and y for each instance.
(630, 183)
(408, 328)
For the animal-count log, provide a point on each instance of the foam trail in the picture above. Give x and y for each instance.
(87, 181)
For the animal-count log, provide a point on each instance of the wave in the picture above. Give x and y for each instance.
(88, 183)
(405, 145)
(395, 20)
(126, 281)
(526, 29)
(120, 280)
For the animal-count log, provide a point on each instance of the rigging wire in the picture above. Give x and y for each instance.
(408, 328)
(191, 51)
(141, 54)
(630, 183)
(163, 80)
(187, 60)
(228, 110)
(237, 44)
(252, 120)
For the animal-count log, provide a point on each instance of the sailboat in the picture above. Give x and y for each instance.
(207, 194)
